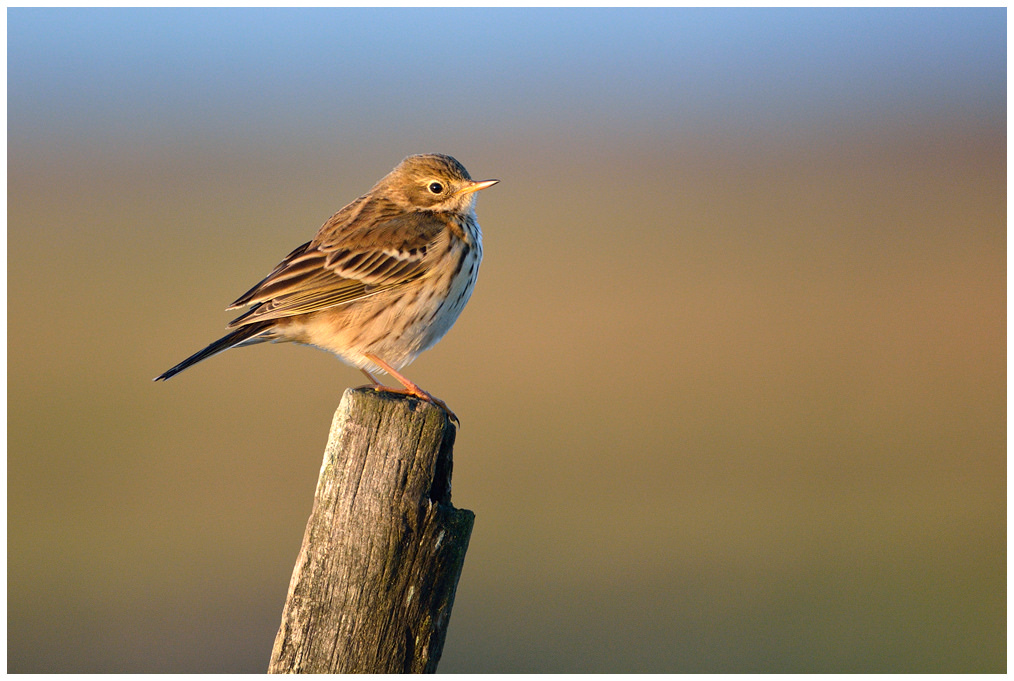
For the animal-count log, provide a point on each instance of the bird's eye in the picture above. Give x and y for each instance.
(436, 187)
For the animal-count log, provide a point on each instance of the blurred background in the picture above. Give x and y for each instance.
(731, 384)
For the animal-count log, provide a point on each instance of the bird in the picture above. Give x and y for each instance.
(382, 281)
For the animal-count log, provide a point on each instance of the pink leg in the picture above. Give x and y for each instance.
(410, 387)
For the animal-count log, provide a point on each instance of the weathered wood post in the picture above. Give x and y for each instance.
(374, 583)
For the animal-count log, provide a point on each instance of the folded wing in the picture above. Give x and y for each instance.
(368, 247)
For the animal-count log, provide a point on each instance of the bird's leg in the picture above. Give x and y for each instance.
(410, 387)
(373, 379)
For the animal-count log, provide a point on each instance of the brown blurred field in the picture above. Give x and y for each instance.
(728, 403)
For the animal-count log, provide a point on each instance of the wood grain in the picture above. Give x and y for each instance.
(374, 582)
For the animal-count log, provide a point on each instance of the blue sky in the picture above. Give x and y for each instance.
(142, 70)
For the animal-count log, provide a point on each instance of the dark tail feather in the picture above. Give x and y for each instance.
(242, 335)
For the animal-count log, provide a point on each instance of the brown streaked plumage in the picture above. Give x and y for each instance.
(383, 280)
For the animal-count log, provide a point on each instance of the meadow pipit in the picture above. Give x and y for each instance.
(384, 279)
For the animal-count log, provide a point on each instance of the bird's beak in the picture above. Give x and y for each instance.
(476, 186)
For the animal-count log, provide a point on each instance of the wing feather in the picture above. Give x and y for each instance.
(368, 247)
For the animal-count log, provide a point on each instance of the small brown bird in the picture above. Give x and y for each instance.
(384, 279)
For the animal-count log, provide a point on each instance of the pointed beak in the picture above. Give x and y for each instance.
(476, 186)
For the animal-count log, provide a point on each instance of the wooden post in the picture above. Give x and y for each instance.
(374, 583)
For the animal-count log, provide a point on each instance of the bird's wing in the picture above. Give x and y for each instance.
(368, 247)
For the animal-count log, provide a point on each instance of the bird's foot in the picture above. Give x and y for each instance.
(421, 394)
(409, 389)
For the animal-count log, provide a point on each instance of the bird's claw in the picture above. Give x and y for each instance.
(422, 395)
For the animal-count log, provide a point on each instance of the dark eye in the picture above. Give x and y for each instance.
(436, 187)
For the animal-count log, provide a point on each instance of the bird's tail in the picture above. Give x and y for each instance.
(245, 335)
